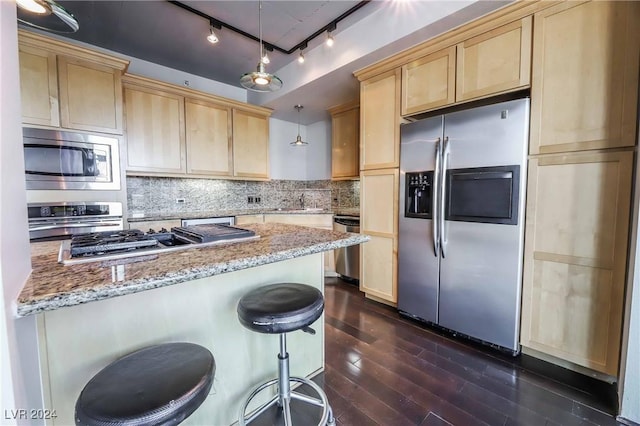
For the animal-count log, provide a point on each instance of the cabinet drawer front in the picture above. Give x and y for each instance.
(585, 76)
(494, 62)
(313, 220)
(429, 82)
(575, 256)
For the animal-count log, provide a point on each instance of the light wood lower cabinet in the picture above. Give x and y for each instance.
(578, 208)
(379, 219)
(323, 221)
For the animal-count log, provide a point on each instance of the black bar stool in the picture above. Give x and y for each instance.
(279, 309)
(158, 385)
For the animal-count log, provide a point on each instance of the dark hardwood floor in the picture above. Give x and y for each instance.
(383, 369)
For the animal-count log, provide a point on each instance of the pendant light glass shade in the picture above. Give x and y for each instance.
(260, 80)
(46, 15)
(299, 141)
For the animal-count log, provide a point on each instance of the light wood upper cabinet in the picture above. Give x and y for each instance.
(250, 144)
(585, 76)
(380, 121)
(494, 62)
(39, 87)
(575, 256)
(208, 137)
(379, 219)
(429, 82)
(154, 130)
(345, 141)
(90, 96)
(68, 86)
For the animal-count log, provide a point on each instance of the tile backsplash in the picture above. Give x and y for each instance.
(150, 196)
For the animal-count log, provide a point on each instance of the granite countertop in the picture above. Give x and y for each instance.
(348, 211)
(52, 285)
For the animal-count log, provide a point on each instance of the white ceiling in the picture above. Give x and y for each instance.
(163, 33)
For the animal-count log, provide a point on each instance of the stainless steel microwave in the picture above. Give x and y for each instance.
(56, 159)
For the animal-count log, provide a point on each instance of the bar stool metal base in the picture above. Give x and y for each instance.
(285, 394)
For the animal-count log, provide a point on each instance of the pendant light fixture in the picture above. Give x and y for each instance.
(299, 141)
(260, 80)
(46, 15)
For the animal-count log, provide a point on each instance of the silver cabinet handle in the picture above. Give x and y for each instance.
(434, 199)
(443, 191)
(73, 225)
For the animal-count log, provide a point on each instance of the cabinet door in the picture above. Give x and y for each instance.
(575, 256)
(208, 138)
(494, 62)
(39, 87)
(90, 96)
(250, 145)
(585, 76)
(249, 218)
(345, 144)
(154, 130)
(429, 82)
(380, 121)
(379, 219)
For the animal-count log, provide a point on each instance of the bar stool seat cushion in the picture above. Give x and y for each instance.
(161, 384)
(280, 308)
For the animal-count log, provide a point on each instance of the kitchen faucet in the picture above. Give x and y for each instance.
(301, 199)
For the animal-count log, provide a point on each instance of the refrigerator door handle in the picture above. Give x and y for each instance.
(443, 191)
(434, 199)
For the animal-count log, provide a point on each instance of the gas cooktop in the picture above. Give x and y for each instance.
(111, 245)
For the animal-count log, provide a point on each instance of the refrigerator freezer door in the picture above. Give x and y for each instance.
(418, 263)
(487, 136)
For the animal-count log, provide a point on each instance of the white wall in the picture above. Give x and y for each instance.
(309, 162)
(19, 362)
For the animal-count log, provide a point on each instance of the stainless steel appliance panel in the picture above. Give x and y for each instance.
(418, 260)
(491, 135)
(480, 281)
(63, 160)
(230, 220)
(347, 258)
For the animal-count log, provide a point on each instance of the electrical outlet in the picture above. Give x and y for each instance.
(250, 199)
(257, 200)
(180, 200)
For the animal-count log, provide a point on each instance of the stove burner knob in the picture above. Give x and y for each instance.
(164, 230)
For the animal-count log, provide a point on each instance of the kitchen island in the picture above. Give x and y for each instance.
(90, 314)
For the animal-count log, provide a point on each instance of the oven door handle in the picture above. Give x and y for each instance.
(74, 225)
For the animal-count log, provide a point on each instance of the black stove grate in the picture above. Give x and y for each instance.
(106, 242)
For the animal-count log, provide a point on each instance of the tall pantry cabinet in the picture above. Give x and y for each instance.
(379, 162)
(583, 132)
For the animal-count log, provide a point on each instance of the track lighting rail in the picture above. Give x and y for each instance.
(270, 46)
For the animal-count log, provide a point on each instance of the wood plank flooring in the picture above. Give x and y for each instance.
(383, 369)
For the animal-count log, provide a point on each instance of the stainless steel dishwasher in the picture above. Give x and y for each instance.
(347, 258)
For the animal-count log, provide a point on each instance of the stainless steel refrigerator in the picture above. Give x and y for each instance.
(461, 226)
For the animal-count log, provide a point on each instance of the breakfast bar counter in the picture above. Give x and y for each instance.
(91, 314)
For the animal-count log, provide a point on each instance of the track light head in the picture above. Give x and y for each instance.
(301, 58)
(330, 40)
